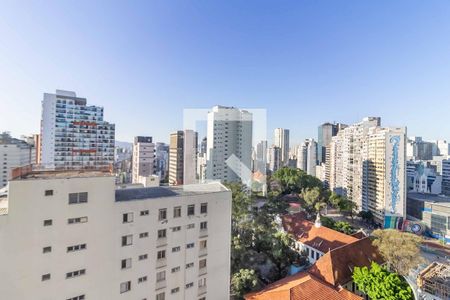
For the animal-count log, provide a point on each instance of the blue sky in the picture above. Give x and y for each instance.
(306, 62)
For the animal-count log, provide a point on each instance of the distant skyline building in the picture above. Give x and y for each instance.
(274, 158)
(325, 132)
(281, 140)
(307, 157)
(183, 157)
(14, 153)
(261, 157)
(143, 158)
(229, 144)
(73, 134)
(162, 160)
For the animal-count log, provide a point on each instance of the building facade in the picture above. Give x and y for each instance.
(229, 144)
(307, 157)
(183, 157)
(143, 157)
(13, 153)
(368, 165)
(89, 240)
(281, 140)
(73, 134)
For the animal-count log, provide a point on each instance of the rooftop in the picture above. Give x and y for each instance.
(170, 191)
(336, 266)
(301, 286)
(432, 198)
(321, 238)
(25, 173)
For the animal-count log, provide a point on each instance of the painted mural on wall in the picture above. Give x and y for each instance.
(395, 182)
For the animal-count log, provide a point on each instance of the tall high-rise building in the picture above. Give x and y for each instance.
(73, 134)
(274, 156)
(446, 177)
(143, 157)
(307, 157)
(229, 144)
(13, 153)
(162, 160)
(183, 157)
(367, 163)
(325, 132)
(443, 148)
(261, 157)
(203, 145)
(134, 243)
(281, 140)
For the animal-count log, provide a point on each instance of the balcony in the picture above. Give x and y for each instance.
(202, 271)
(160, 284)
(201, 290)
(161, 263)
(203, 233)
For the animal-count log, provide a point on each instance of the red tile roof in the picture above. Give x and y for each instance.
(301, 286)
(336, 266)
(323, 239)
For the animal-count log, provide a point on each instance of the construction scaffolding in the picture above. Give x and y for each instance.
(435, 280)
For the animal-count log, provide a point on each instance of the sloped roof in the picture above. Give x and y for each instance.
(323, 239)
(336, 266)
(301, 286)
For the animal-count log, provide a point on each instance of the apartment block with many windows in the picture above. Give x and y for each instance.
(73, 235)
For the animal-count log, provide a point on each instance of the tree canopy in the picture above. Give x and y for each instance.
(401, 250)
(380, 284)
(244, 281)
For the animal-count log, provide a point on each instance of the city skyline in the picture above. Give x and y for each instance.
(301, 58)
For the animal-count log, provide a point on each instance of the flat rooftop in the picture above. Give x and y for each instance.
(169, 191)
(432, 198)
(61, 174)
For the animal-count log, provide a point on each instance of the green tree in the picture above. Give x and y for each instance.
(327, 222)
(289, 179)
(311, 197)
(400, 250)
(343, 227)
(380, 284)
(366, 216)
(348, 207)
(334, 200)
(244, 281)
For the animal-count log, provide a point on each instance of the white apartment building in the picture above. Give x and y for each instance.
(281, 140)
(368, 165)
(73, 134)
(229, 144)
(73, 235)
(13, 153)
(274, 155)
(143, 157)
(183, 157)
(307, 157)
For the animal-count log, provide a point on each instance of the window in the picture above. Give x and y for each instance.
(75, 273)
(81, 297)
(76, 247)
(189, 265)
(203, 225)
(143, 235)
(202, 263)
(202, 283)
(161, 254)
(127, 240)
(161, 296)
(46, 277)
(176, 249)
(189, 285)
(125, 263)
(176, 269)
(202, 298)
(191, 210)
(48, 192)
(48, 222)
(75, 198)
(176, 228)
(47, 249)
(204, 208)
(177, 211)
(127, 218)
(161, 233)
(190, 245)
(175, 290)
(143, 256)
(142, 279)
(317, 255)
(190, 226)
(203, 244)
(160, 276)
(144, 213)
(162, 214)
(77, 220)
(125, 287)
